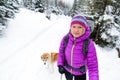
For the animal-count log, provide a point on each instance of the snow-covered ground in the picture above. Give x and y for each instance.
(29, 35)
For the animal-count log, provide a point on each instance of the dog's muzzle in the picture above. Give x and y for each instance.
(45, 63)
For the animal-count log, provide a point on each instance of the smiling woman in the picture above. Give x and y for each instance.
(68, 55)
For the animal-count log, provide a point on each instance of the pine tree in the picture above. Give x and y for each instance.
(101, 34)
(39, 6)
(8, 8)
(74, 9)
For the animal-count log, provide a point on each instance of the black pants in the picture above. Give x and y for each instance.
(70, 76)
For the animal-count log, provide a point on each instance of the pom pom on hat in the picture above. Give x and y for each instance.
(81, 20)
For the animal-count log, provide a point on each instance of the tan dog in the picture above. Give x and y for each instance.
(49, 59)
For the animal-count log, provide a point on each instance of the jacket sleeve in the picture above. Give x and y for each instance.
(60, 61)
(92, 62)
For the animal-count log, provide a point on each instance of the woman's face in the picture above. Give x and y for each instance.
(77, 30)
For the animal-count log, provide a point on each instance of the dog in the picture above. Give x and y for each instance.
(49, 59)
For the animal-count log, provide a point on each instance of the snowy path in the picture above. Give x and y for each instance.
(22, 61)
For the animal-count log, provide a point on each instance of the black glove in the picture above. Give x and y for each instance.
(61, 69)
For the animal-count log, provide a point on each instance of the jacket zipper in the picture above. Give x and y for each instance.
(71, 56)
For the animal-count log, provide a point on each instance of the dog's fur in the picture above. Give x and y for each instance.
(49, 59)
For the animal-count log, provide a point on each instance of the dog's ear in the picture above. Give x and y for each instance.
(41, 56)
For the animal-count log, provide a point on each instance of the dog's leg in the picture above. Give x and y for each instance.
(51, 68)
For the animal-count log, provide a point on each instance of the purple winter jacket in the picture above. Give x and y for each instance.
(76, 57)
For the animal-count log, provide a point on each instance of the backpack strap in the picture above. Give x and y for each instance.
(65, 44)
(66, 40)
(85, 47)
(81, 69)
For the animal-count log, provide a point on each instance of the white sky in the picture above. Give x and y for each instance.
(29, 35)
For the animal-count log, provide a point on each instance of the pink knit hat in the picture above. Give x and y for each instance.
(79, 20)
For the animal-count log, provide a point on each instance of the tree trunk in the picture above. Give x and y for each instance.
(118, 50)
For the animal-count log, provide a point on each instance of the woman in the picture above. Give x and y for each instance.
(73, 55)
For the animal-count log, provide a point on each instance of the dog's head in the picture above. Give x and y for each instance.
(45, 57)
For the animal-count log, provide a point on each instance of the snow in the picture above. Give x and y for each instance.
(29, 35)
